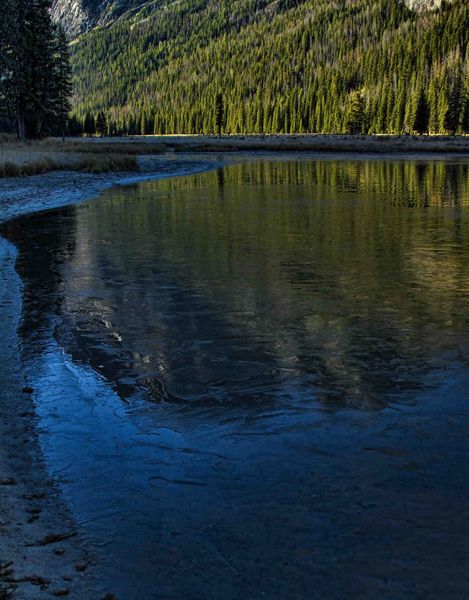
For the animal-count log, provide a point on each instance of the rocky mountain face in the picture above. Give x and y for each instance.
(79, 16)
(423, 4)
(75, 16)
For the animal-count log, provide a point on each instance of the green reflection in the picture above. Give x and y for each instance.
(339, 281)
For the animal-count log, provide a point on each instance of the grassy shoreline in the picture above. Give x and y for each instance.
(366, 144)
(20, 159)
(105, 155)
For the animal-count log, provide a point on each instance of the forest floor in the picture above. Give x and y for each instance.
(102, 155)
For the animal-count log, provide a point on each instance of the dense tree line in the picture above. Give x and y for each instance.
(35, 75)
(358, 66)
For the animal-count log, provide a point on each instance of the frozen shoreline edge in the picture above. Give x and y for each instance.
(30, 486)
(28, 465)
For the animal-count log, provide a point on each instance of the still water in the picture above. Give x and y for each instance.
(225, 348)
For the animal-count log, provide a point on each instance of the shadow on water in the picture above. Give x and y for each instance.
(256, 307)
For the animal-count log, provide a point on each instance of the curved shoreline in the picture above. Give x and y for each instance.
(21, 456)
(24, 195)
(41, 550)
(32, 564)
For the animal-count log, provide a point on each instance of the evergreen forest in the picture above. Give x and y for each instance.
(290, 66)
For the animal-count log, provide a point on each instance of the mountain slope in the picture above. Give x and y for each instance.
(282, 66)
(80, 16)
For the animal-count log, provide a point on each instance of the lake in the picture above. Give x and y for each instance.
(246, 372)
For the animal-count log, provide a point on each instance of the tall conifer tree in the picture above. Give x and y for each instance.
(219, 113)
(452, 117)
(355, 120)
(62, 87)
(34, 72)
(8, 61)
(422, 114)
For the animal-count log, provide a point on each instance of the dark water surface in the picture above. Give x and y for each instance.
(254, 380)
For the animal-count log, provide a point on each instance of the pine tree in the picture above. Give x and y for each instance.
(452, 117)
(422, 114)
(14, 67)
(74, 126)
(465, 115)
(89, 125)
(219, 113)
(100, 124)
(411, 103)
(355, 119)
(8, 61)
(34, 71)
(433, 103)
(275, 125)
(61, 75)
(442, 110)
(39, 95)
